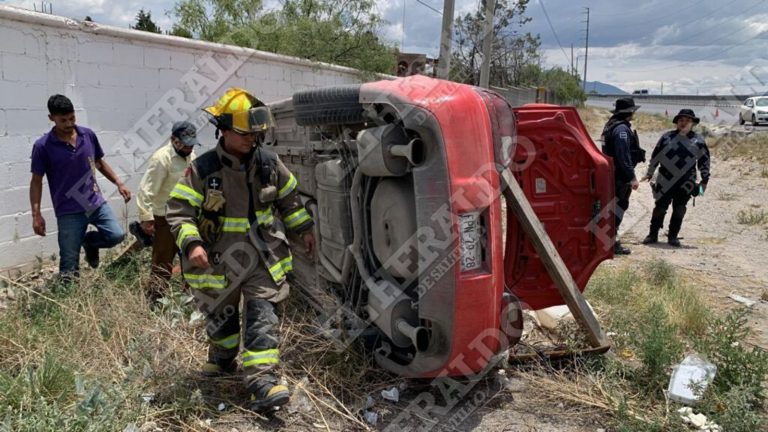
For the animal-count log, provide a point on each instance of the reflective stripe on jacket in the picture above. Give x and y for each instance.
(240, 232)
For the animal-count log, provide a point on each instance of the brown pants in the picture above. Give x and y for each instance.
(164, 250)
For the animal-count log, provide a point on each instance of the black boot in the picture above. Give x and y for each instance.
(674, 229)
(652, 237)
(618, 249)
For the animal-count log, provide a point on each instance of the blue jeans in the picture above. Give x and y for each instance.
(72, 235)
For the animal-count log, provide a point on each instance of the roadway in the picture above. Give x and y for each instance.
(711, 112)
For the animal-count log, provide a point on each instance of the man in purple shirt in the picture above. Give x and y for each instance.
(70, 155)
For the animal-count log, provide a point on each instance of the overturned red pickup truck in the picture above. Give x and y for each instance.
(403, 180)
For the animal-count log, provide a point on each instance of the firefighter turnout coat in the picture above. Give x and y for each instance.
(239, 213)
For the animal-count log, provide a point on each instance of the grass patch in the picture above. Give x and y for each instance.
(595, 118)
(726, 196)
(741, 145)
(94, 357)
(752, 217)
(657, 318)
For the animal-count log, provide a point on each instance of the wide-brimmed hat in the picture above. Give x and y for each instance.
(685, 112)
(625, 105)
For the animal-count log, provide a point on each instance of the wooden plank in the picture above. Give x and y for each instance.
(518, 202)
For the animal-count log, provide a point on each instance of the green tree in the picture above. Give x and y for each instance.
(144, 22)
(513, 50)
(180, 31)
(567, 87)
(341, 32)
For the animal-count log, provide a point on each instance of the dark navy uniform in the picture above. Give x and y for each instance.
(677, 157)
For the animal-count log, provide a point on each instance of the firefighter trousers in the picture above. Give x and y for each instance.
(258, 328)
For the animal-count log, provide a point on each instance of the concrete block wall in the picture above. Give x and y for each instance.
(129, 87)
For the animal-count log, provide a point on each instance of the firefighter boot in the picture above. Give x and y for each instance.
(220, 362)
(267, 393)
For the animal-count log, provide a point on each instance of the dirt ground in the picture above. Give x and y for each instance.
(719, 255)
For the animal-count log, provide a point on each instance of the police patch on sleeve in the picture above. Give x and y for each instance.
(623, 135)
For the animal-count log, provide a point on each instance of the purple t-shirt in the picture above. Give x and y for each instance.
(71, 171)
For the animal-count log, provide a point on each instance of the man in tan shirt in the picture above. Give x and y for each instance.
(165, 168)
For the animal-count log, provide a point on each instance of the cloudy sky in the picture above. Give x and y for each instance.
(691, 46)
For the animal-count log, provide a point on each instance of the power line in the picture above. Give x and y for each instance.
(428, 6)
(551, 27)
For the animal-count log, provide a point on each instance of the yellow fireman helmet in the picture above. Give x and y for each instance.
(240, 111)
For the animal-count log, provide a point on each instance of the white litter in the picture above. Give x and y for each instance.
(371, 417)
(222, 406)
(698, 421)
(391, 395)
(741, 299)
(693, 373)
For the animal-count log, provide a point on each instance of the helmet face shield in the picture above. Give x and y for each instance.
(257, 119)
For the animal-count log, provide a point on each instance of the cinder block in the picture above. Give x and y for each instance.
(123, 76)
(62, 46)
(14, 200)
(15, 149)
(278, 72)
(87, 74)
(24, 251)
(296, 77)
(157, 58)
(182, 61)
(27, 122)
(15, 174)
(129, 55)
(168, 79)
(61, 75)
(96, 51)
(13, 38)
(34, 43)
(8, 229)
(109, 98)
(285, 90)
(22, 68)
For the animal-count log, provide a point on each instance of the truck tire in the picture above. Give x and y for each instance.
(328, 106)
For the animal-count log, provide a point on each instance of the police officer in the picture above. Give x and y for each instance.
(621, 143)
(229, 213)
(677, 155)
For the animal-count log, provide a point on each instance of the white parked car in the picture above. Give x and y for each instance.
(755, 110)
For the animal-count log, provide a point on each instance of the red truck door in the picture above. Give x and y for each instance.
(569, 183)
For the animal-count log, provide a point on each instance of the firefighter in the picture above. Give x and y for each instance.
(228, 214)
(622, 144)
(677, 154)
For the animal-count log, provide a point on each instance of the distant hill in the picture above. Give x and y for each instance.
(603, 88)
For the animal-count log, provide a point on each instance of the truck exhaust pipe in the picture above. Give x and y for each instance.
(413, 151)
(419, 336)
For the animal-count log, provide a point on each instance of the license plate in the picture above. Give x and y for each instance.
(469, 243)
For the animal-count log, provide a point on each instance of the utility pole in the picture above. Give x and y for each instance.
(586, 54)
(444, 61)
(573, 71)
(485, 68)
